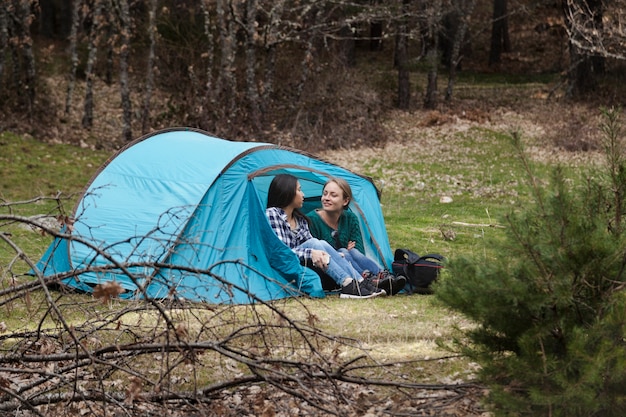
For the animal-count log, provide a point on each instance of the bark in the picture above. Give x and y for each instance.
(271, 37)
(305, 68)
(376, 36)
(404, 82)
(432, 54)
(152, 33)
(127, 132)
(226, 84)
(500, 41)
(252, 92)
(208, 102)
(598, 63)
(455, 58)
(347, 52)
(308, 59)
(19, 19)
(15, 59)
(87, 121)
(583, 22)
(4, 37)
(76, 7)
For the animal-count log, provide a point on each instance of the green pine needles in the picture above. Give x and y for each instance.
(550, 311)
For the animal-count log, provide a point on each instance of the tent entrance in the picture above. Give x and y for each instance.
(311, 181)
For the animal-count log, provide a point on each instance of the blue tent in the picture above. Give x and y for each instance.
(181, 214)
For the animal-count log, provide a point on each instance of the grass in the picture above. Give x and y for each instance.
(30, 168)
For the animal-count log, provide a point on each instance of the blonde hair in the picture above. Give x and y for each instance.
(345, 188)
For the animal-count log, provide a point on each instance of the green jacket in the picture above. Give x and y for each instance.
(349, 229)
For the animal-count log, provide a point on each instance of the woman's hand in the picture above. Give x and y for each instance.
(320, 258)
(351, 245)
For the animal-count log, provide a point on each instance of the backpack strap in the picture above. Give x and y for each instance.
(435, 256)
(405, 255)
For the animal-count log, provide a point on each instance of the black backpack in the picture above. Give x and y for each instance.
(420, 271)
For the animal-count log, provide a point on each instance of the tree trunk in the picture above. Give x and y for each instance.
(87, 121)
(4, 38)
(500, 41)
(347, 53)
(208, 100)
(584, 67)
(252, 92)
(404, 82)
(598, 63)
(76, 7)
(226, 79)
(127, 132)
(376, 36)
(25, 41)
(432, 55)
(307, 61)
(459, 36)
(271, 37)
(152, 30)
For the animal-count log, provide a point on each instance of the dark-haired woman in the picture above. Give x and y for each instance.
(338, 226)
(284, 201)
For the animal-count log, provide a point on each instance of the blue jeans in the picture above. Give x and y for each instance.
(339, 268)
(359, 261)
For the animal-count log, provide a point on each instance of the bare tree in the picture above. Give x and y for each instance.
(125, 34)
(464, 10)
(208, 99)
(18, 19)
(94, 35)
(402, 60)
(226, 81)
(592, 39)
(73, 52)
(4, 38)
(432, 22)
(271, 40)
(252, 91)
(500, 41)
(150, 67)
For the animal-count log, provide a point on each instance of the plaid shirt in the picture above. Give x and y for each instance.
(278, 220)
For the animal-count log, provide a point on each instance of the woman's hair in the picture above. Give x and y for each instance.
(282, 190)
(345, 188)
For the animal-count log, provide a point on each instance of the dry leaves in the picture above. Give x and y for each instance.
(105, 292)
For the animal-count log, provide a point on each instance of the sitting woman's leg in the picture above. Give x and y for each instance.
(339, 268)
(360, 262)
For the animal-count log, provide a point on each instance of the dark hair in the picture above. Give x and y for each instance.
(282, 190)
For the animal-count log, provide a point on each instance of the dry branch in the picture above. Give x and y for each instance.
(173, 356)
(498, 226)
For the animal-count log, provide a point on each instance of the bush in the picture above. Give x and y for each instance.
(550, 312)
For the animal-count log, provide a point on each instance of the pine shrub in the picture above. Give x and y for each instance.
(550, 312)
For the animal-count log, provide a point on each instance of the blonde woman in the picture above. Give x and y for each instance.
(338, 226)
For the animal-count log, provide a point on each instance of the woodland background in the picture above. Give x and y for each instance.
(311, 74)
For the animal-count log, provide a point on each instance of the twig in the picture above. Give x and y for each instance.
(497, 226)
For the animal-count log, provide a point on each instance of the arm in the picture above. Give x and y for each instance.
(355, 231)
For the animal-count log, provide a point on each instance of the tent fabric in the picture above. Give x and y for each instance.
(181, 214)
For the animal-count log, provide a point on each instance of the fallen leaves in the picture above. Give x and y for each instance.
(105, 292)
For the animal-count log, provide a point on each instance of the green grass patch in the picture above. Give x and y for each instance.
(30, 168)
